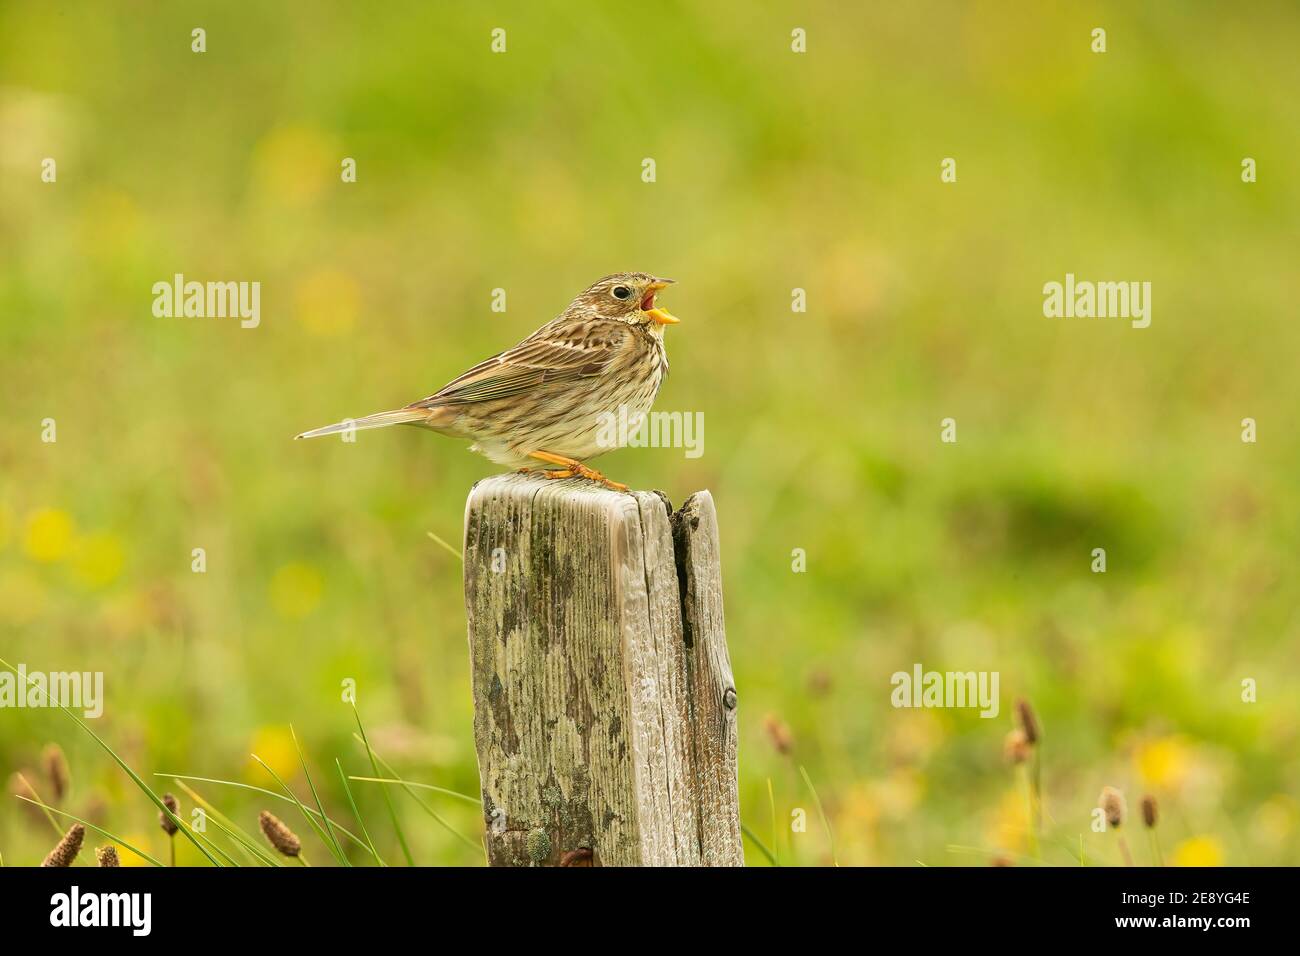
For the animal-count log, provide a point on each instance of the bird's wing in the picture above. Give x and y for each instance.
(551, 355)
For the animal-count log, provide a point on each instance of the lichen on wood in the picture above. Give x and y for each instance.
(583, 712)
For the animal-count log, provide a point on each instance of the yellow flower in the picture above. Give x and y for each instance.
(295, 590)
(1164, 763)
(860, 809)
(327, 302)
(856, 824)
(275, 746)
(49, 535)
(898, 794)
(97, 559)
(1199, 851)
(1009, 826)
(1275, 820)
(128, 857)
(291, 164)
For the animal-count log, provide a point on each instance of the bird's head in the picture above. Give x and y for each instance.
(627, 297)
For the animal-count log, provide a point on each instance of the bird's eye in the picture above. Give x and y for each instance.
(622, 292)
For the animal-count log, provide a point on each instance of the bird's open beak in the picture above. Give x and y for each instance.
(661, 316)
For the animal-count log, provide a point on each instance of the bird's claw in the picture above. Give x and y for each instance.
(582, 471)
(572, 468)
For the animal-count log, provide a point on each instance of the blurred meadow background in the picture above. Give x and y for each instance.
(775, 171)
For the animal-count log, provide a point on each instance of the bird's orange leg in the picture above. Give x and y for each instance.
(572, 468)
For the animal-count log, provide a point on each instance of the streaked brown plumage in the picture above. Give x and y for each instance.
(549, 398)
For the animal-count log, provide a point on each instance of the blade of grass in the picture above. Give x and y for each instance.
(821, 812)
(459, 557)
(86, 823)
(392, 811)
(144, 787)
(243, 839)
(334, 842)
(230, 860)
(252, 853)
(49, 816)
(270, 793)
(1157, 858)
(423, 806)
(423, 786)
(210, 812)
(771, 806)
(1031, 797)
(1019, 858)
(343, 778)
(753, 838)
(320, 831)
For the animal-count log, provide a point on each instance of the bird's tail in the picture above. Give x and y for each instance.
(399, 416)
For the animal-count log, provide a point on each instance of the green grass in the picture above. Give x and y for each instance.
(776, 171)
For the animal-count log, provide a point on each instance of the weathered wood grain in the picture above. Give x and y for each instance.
(712, 689)
(582, 688)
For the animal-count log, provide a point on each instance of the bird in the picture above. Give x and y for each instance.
(550, 399)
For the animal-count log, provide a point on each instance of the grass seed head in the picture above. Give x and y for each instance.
(820, 683)
(107, 856)
(279, 835)
(66, 850)
(1016, 747)
(56, 769)
(1111, 802)
(166, 822)
(779, 734)
(1028, 721)
(1150, 812)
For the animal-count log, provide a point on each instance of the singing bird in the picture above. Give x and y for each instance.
(549, 399)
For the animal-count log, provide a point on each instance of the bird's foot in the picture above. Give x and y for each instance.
(591, 474)
(574, 469)
(582, 471)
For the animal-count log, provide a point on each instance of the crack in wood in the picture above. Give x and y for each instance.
(600, 676)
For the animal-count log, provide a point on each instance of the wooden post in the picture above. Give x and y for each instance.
(604, 706)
